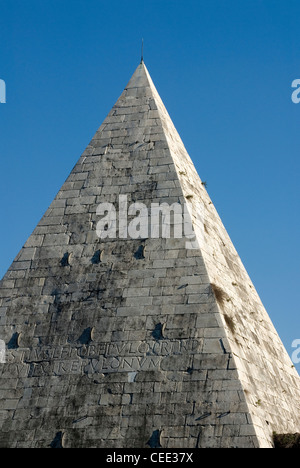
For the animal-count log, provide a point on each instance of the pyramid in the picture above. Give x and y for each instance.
(121, 337)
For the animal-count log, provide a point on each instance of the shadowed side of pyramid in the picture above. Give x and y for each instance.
(131, 337)
(269, 378)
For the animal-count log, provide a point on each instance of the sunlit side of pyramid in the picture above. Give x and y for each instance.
(123, 342)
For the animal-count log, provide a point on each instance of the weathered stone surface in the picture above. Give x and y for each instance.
(131, 342)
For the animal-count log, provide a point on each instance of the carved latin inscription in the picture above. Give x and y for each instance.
(105, 358)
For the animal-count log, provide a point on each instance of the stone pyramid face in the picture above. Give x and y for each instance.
(120, 336)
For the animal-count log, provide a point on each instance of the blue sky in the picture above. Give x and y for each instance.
(224, 71)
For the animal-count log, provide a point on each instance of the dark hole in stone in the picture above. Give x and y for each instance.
(224, 414)
(65, 260)
(57, 441)
(189, 370)
(204, 416)
(183, 286)
(86, 336)
(139, 254)
(154, 441)
(13, 342)
(158, 332)
(96, 257)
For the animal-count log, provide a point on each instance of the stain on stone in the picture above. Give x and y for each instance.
(286, 441)
(86, 337)
(139, 254)
(57, 441)
(158, 332)
(154, 441)
(65, 261)
(230, 323)
(14, 341)
(96, 259)
(220, 294)
(57, 304)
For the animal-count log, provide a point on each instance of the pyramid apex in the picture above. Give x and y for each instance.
(140, 77)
